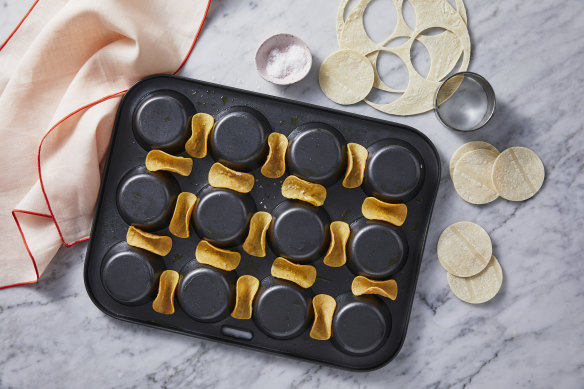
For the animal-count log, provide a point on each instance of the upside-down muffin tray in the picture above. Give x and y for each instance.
(365, 331)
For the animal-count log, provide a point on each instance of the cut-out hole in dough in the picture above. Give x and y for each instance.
(420, 58)
(392, 70)
(409, 14)
(379, 20)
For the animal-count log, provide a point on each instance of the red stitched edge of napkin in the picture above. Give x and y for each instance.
(19, 24)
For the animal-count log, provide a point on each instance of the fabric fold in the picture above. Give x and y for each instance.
(62, 75)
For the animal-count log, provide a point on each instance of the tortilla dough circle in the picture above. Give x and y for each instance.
(346, 77)
(517, 174)
(478, 288)
(465, 148)
(472, 176)
(464, 249)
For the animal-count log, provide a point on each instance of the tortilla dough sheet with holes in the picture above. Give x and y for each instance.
(351, 34)
(445, 49)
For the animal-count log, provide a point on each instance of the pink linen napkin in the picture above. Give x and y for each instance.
(62, 74)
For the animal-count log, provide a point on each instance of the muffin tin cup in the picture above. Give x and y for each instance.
(376, 249)
(317, 153)
(282, 310)
(222, 216)
(300, 245)
(162, 121)
(206, 294)
(394, 171)
(146, 199)
(130, 275)
(238, 139)
(367, 331)
(361, 324)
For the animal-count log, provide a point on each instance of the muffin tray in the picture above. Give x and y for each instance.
(403, 166)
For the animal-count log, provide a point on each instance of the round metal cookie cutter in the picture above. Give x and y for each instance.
(465, 101)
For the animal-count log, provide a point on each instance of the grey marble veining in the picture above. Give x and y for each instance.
(531, 335)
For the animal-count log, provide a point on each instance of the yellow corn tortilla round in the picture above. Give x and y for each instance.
(518, 174)
(336, 255)
(183, 210)
(465, 148)
(245, 291)
(222, 259)
(363, 285)
(356, 161)
(472, 176)
(164, 302)
(275, 165)
(201, 126)
(255, 243)
(159, 160)
(296, 188)
(375, 209)
(324, 309)
(346, 77)
(464, 249)
(302, 275)
(156, 244)
(220, 176)
(479, 288)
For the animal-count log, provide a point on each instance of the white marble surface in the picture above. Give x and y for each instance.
(530, 335)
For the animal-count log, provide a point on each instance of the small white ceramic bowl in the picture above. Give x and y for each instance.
(281, 42)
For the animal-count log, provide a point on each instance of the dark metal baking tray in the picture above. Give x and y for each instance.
(403, 165)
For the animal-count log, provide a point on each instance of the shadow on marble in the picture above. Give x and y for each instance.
(505, 129)
(215, 8)
(60, 276)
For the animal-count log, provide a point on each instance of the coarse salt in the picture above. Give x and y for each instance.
(283, 62)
